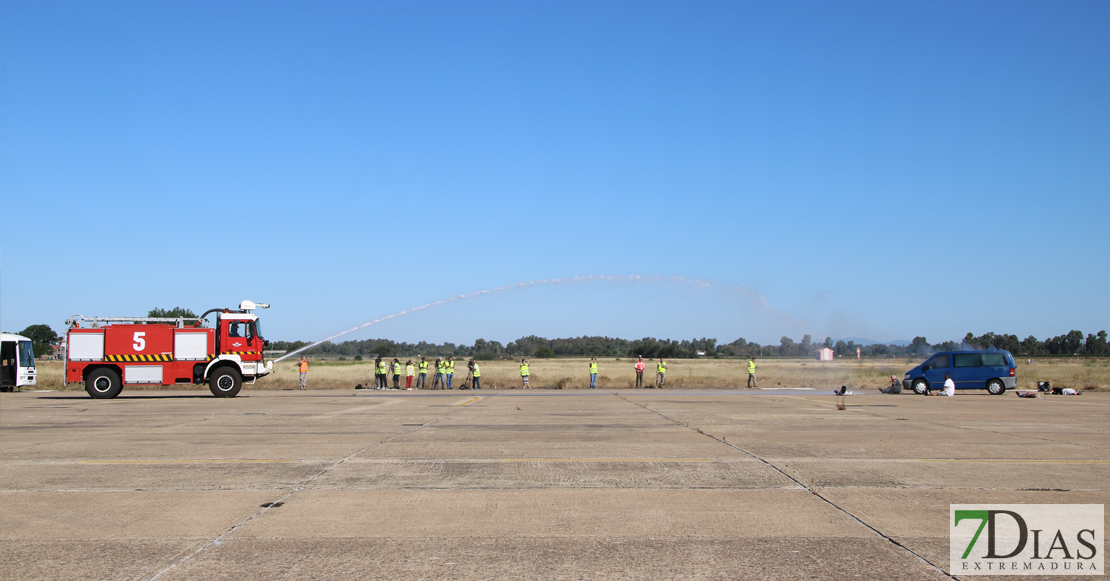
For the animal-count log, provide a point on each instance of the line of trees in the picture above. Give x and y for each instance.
(1071, 343)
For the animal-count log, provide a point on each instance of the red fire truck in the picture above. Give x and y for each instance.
(107, 353)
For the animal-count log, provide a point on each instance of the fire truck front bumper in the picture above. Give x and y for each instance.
(257, 369)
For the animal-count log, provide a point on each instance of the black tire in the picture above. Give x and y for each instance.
(995, 387)
(103, 384)
(920, 386)
(225, 382)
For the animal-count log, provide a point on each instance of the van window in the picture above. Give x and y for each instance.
(966, 359)
(994, 360)
(938, 362)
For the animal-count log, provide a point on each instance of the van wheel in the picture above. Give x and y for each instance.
(225, 382)
(995, 387)
(920, 386)
(103, 384)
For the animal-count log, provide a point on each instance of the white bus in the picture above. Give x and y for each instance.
(18, 362)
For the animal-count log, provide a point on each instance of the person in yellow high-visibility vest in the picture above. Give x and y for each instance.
(421, 380)
(380, 373)
(396, 369)
(476, 374)
(751, 372)
(660, 372)
(439, 382)
(304, 372)
(410, 369)
(593, 372)
(449, 367)
(524, 373)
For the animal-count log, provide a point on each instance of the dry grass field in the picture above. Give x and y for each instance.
(681, 373)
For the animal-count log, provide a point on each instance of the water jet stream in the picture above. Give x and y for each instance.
(745, 293)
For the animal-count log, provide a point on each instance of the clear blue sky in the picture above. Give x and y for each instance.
(880, 170)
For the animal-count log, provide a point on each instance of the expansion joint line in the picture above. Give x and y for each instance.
(294, 490)
(798, 482)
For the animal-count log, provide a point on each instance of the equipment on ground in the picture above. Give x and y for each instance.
(107, 353)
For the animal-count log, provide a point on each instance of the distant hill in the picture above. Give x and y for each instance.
(862, 341)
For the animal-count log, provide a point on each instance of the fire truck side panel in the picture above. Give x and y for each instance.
(85, 345)
(193, 344)
(142, 374)
(138, 343)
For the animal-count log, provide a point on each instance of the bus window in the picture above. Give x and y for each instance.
(26, 354)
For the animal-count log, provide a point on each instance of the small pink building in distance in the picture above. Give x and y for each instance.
(825, 354)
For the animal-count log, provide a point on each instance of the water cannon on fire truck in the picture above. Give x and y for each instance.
(107, 353)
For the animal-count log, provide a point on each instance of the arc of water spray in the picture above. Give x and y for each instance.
(746, 293)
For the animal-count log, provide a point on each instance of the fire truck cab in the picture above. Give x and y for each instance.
(107, 353)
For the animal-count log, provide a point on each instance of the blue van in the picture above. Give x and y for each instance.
(993, 371)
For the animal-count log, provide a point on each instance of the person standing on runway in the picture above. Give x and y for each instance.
(640, 372)
(304, 372)
(379, 373)
(409, 370)
(440, 382)
(593, 372)
(421, 382)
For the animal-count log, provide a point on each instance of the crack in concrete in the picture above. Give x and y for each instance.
(296, 489)
(816, 493)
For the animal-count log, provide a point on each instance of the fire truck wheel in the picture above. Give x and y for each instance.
(103, 384)
(225, 382)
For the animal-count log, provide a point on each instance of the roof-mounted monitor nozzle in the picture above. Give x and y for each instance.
(251, 305)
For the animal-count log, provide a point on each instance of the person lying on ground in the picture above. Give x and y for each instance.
(1066, 391)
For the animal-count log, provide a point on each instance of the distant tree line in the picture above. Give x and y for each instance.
(1072, 343)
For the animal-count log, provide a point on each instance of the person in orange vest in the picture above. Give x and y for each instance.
(304, 372)
(640, 372)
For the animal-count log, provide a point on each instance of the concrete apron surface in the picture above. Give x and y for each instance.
(648, 484)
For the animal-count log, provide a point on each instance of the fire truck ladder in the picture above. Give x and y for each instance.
(94, 322)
